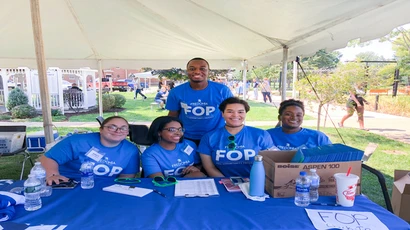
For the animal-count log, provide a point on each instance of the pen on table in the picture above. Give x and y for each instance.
(326, 204)
(160, 193)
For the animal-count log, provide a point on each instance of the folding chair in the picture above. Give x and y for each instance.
(382, 182)
(100, 119)
(22, 150)
(139, 135)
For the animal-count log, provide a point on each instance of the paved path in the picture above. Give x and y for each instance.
(393, 127)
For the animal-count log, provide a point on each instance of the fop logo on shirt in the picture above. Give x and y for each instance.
(235, 155)
(198, 108)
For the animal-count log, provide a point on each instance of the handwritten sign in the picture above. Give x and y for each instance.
(346, 220)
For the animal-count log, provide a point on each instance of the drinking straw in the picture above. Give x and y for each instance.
(348, 171)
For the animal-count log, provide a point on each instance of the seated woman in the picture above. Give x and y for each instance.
(112, 154)
(291, 135)
(170, 155)
(161, 97)
(230, 150)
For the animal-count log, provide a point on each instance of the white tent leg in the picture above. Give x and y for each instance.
(245, 69)
(284, 71)
(100, 73)
(295, 79)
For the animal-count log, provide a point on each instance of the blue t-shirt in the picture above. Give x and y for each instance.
(305, 138)
(198, 109)
(236, 161)
(70, 152)
(156, 159)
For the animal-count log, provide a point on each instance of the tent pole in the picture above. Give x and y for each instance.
(245, 69)
(284, 71)
(295, 78)
(42, 71)
(100, 73)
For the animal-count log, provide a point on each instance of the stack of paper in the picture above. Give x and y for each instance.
(196, 188)
(327, 153)
(127, 190)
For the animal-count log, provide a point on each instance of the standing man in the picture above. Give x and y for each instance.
(196, 102)
(138, 88)
(255, 89)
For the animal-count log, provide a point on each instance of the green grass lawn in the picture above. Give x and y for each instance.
(389, 155)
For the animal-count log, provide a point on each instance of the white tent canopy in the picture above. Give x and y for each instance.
(165, 34)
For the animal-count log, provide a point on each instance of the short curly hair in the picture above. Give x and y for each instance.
(290, 102)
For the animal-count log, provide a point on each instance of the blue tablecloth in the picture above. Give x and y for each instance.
(97, 209)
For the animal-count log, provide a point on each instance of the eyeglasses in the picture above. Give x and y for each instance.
(160, 181)
(174, 130)
(127, 180)
(231, 144)
(114, 128)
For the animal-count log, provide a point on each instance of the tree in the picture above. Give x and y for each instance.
(369, 56)
(323, 60)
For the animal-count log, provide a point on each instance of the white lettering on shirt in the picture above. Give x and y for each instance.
(235, 155)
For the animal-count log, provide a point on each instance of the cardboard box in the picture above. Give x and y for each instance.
(281, 174)
(401, 194)
(11, 141)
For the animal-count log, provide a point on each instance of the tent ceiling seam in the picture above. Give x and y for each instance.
(80, 26)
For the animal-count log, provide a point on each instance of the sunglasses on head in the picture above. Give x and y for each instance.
(160, 181)
(127, 180)
(231, 144)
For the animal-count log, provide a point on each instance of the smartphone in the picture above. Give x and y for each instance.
(237, 180)
(70, 184)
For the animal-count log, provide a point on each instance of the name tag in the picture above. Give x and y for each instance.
(188, 150)
(94, 154)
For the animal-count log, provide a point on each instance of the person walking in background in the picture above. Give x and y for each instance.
(196, 101)
(266, 90)
(138, 88)
(355, 102)
(255, 86)
(291, 135)
(230, 150)
(170, 155)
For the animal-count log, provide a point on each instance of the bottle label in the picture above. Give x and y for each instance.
(84, 174)
(32, 189)
(314, 182)
(302, 189)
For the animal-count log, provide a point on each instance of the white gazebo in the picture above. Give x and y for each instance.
(29, 83)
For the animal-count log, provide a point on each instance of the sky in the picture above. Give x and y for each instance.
(380, 48)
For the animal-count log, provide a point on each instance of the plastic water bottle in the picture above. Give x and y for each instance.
(257, 178)
(314, 185)
(302, 196)
(40, 173)
(32, 190)
(87, 175)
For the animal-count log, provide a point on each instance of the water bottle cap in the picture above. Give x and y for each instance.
(313, 170)
(37, 163)
(302, 173)
(258, 158)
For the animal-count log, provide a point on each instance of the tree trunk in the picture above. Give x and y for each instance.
(319, 109)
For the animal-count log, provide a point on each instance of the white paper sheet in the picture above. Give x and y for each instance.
(326, 219)
(196, 188)
(127, 190)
